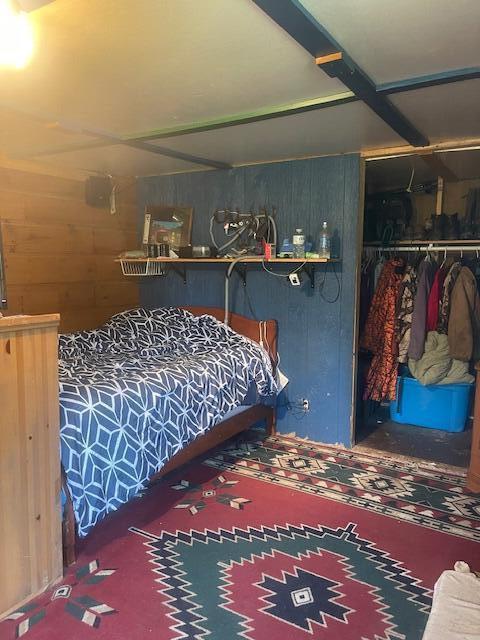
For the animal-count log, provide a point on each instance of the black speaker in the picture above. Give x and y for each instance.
(98, 190)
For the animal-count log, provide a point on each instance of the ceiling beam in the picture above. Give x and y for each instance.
(171, 153)
(329, 56)
(109, 140)
(338, 66)
(269, 113)
(432, 80)
(292, 16)
(106, 139)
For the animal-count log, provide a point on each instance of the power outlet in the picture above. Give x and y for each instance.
(294, 279)
(305, 405)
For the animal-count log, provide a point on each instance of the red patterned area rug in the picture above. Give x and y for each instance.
(266, 539)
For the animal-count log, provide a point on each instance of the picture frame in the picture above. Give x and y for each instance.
(168, 224)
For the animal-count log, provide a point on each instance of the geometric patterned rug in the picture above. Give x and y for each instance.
(265, 539)
(400, 489)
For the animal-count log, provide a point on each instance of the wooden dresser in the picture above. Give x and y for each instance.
(30, 512)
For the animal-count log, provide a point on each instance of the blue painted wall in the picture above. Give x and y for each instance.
(316, 338)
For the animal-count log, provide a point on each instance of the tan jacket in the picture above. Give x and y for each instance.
(464, 320)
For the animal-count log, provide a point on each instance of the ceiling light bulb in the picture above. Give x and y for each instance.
(16, 36)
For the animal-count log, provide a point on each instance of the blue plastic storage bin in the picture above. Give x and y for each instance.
(437, 406)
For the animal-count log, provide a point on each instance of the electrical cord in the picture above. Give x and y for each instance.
(227, 244)
(249, 222)
(272, 227)
(322, 284)
(230, 269)
(283, 275)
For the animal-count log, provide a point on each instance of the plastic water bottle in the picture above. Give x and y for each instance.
(324, 242)
(298, 244)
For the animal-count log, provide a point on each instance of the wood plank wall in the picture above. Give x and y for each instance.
(59, 253)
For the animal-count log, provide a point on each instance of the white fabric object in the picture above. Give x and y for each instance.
(455, 613)
(281, 380)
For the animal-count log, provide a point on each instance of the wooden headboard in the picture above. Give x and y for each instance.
(260, 331)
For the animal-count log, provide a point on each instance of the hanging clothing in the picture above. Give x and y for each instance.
(464, 320)
(434, 299)
(403, 321)
(379, 334)
(367, 289)
(474, 266)
(426, 274)
(378, 272)
(444, 307)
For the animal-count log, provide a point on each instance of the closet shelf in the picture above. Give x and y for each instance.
(422, 243)
(453, 246)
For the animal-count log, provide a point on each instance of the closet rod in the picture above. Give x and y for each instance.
(431, 248)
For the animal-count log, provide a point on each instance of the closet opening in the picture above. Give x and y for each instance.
(419, 306)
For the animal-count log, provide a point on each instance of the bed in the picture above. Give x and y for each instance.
(149, 391)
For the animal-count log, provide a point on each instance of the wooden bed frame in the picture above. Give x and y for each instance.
(263, 332)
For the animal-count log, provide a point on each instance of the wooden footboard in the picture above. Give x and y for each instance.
(265, 333)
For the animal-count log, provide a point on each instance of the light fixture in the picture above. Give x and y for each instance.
(16, 36)
(405, 154)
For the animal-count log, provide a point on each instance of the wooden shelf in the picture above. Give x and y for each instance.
(158, 266)
(246, 259)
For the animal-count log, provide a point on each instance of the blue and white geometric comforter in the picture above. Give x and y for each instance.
(140, 388)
